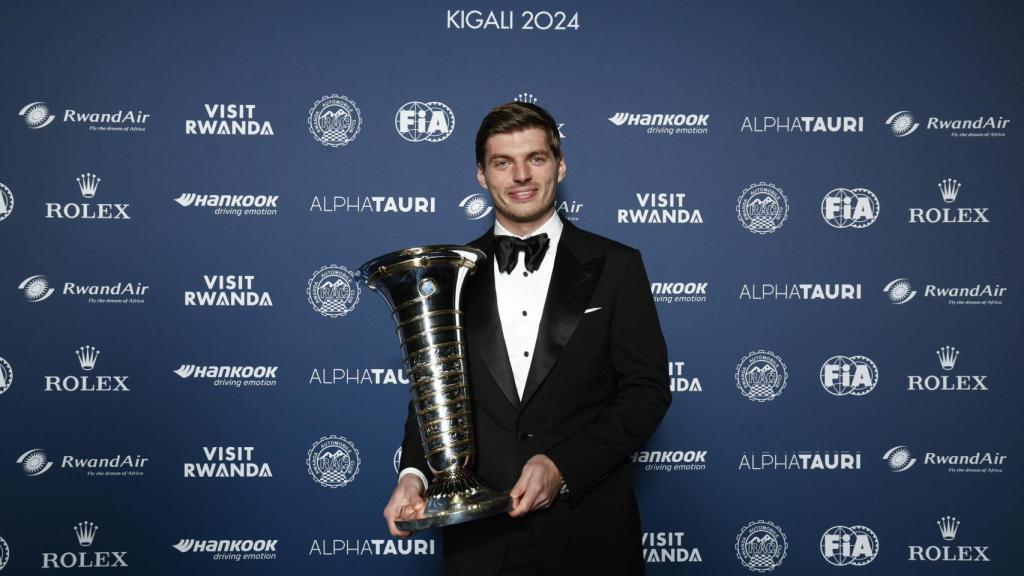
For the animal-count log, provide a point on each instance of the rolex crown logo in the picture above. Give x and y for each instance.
(87, 357)
(949, 188)
(526, 97)
(88, 183)
(86, 531)
(948, 527)
(947, 357)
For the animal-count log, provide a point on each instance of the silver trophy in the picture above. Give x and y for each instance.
(423, 287)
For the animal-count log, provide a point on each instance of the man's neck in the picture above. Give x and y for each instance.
(524, 229)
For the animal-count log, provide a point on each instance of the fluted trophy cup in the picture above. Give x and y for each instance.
(423, 287)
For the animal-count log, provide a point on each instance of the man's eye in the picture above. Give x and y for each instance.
(538, 160)
(501, 163)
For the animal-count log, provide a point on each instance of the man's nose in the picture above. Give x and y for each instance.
(521, 173)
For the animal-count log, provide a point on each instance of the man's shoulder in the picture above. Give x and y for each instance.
(589, 245)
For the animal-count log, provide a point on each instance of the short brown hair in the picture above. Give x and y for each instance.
(513, 117)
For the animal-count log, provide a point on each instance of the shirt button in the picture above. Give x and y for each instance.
(522, 435)
(524, 312)
(525, 274)
(525, 353)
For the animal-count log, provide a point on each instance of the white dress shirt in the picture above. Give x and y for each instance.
(521, 296)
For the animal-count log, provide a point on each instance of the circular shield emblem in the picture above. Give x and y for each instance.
(5, 553)
(333, 291)
(333, 461)
(397, 460)
(761, 546)
(6, 202)
(762, 208)
(761, 376)
(335, 120)
(6, 375)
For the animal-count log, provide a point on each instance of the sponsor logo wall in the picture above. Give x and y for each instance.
(194, 380)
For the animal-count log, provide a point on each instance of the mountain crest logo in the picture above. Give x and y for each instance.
(37, 115)
(6, 375)
(86, 532)
(900, 291)
(6, 202)
(762, 208)
(902, 124)
(761, 546)
(335, 120)
(899, 458)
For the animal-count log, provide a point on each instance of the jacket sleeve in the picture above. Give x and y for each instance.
(640, 361)
(412, 447)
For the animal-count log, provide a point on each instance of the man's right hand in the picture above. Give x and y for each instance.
(406, 503)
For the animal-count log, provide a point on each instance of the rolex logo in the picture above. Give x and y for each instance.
(526, 97)
(88, 183)
(949, 188)
(948, 527)
(947, 357)
(87, 357)
(86, 531)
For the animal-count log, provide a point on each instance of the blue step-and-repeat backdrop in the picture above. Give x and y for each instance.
(825, 194)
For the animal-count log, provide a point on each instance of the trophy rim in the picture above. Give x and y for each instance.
(399, 259)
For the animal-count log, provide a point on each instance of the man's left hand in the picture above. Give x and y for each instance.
(537, 487)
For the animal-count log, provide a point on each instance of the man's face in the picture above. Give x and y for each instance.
(521, 173)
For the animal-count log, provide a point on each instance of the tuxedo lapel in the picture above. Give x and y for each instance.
(483, 323)
(572, 284)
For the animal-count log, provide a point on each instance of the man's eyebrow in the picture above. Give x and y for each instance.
(538, 152)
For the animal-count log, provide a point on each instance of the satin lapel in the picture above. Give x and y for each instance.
(483, 325)
(572, 285)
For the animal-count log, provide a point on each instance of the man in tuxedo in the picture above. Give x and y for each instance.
(568, 370)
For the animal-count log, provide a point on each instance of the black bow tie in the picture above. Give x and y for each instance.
(507, 249)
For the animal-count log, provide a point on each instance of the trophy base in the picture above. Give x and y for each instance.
(457, 500)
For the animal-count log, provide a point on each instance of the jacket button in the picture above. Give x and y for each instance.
(522, 436)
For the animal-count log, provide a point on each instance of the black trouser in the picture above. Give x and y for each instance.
(523, 556)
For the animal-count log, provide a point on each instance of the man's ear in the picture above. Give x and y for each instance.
(561, 169)
(480, 176)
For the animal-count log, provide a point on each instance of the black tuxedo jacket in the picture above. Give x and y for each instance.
(597, 388)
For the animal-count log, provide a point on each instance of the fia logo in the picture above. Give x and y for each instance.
(849, 375)
(849, 545)
(425, 121)
(850, 208)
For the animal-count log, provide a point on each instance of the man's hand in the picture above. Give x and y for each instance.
(537, 487)
(406, 503)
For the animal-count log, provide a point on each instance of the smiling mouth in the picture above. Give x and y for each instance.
(523, 195)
